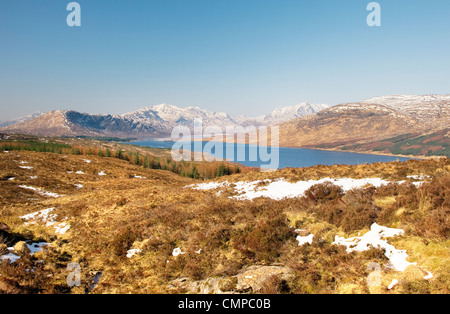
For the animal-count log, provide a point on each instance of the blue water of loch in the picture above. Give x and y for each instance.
(288, 157)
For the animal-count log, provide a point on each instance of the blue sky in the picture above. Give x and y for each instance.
(236, 56)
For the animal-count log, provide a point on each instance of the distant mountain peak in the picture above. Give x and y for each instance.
(20, 119)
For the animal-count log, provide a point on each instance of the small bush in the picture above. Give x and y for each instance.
(321, 193)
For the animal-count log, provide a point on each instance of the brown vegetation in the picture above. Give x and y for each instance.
(134, 207)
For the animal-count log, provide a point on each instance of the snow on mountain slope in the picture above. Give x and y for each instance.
(20, 120)
(173, 116)
(284, 114)
(431, 110)
(405, 101)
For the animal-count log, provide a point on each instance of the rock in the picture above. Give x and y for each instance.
(228, 284)
(21, 248)
(249, 281)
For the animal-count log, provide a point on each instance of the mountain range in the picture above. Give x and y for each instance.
(401, 124)
(155, 121)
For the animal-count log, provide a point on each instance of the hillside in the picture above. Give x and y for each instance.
(132, 229)
(359, 126)
(414, 144)
(431, 110)
(346, 124)
(71, 123)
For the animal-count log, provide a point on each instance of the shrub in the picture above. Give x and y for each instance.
(321, 193)
(123, 241)
(354, 211)
(263, 240)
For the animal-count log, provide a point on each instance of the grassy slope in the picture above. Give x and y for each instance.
(434, 144)
(113, 213)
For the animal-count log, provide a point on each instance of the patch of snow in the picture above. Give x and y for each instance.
(373, 238)
(102, 173)
(11, 179)
(26, 167)
(44, 215)
(78, 186)
(40, 191)
(132, 252)
(87, 161)
(36, 247)
(208, 186)
(418, 184)
(303, 240)
(419, 177)
(79, 172)
(393, 283)
(428, 276)
(11, 257)
(33, 177)
(138, 177)
(47, 217)
(280, 188)
(177, 251)
(62, 228)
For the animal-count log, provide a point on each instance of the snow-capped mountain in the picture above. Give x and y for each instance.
(72, 123)
(19, 120)
(170, 116)
(431, 110)
(283, 114)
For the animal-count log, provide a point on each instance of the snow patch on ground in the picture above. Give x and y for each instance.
(280, 188)
(46, 216)
(393, 283)
(374, 238)
(26, 167)
(62, 228)
(304, 240)
(132, 252)
(40, 191)
(43, 215)
(177, 251)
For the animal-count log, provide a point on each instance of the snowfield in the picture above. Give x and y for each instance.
(280, 188)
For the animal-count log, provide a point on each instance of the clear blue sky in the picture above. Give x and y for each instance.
(237, 56)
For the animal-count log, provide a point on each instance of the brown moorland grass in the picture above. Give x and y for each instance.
(133, 207)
